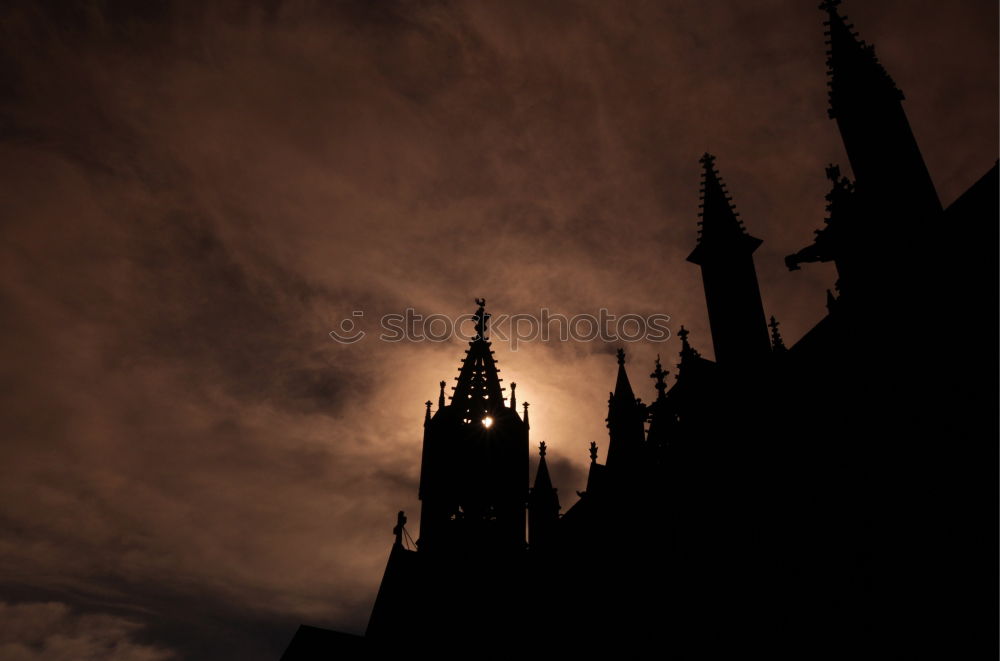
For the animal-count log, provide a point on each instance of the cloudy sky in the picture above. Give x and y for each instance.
(194, 194)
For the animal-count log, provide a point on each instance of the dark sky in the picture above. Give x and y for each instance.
(193, 196)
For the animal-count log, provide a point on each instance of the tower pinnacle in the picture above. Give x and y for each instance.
(721, 230)
(725, 254)
(659, 374)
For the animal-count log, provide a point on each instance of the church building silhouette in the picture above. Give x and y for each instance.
(835, 498)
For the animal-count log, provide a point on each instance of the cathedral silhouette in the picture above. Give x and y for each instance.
(836, 498)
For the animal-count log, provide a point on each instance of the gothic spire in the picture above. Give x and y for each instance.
(513, 396)
(543, 506)
(593, 452)
(626, 417)
(478, 392)
(732, 293)
(721, 230)
(623, 389)
(542, 479)
(856, 75)
(885, 158)
(441, 395)
(526, 414)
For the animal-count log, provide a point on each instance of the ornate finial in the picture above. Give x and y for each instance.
(481, 317)
(776, 341)
(686, 349)
(541, 449)
(659, 374)
(621, 356)
(398, 529)
(427, 416)
(525, 412)
(593, 452)
(441, 395)
(708, 160)
(513, 396)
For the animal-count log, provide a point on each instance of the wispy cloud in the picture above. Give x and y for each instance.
(192, 196)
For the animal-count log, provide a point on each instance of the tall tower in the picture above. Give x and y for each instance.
(882, 224)
(474, 471)
(725, 255)
(880, 146)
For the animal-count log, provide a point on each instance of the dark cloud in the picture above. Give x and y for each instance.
(192, 195)
(53, 632)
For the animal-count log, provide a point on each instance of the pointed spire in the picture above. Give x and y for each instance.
(478, 392)
(542, 478)
(625, 421)
(883, 152)
(441, 395)
(856, 75)
(659, 374)
(427, 415)
(526, 414)
(720, 226)
(593, 452)
(776, 341)
(513, 396)
(687, 351)
(543, 506)
(623, 389)
(725, 254)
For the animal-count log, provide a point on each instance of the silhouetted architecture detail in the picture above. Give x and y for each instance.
(475, 461)
(777, 344)
(725, 254)
(820, 499)
(626, 416)
(543, 506)
(877, 137)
